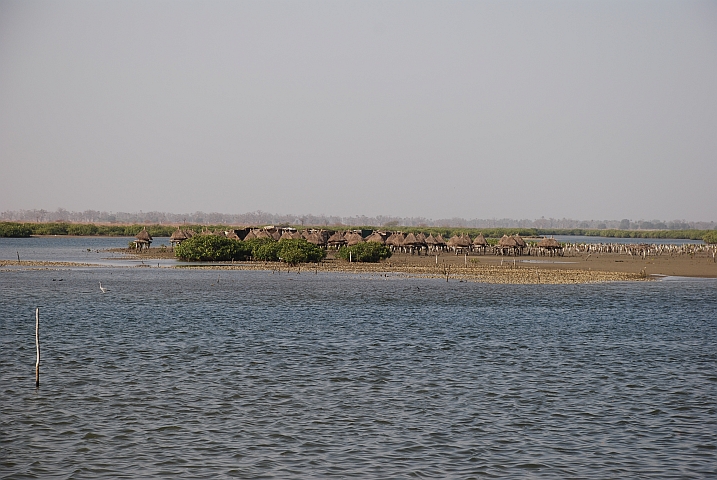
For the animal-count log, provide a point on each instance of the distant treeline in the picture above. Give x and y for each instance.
(14, 229)
(11, 229)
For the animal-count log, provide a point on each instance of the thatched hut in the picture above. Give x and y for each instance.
(250, 236)
(480, 243)
(376, 238)
(354, 239)
(336, 240)
(459, 244)
(412, 244)
(318, 238)
(286, 235)
(507, 245)
(430, 242)
(143, 239)
(395, 240)
(177, 237)
(519, 243)
(262, 234)
(440, 242)
(550, 246)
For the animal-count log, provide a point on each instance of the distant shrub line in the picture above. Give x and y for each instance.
(218, 248)
(15, 229)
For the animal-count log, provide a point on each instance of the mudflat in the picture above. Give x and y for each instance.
(489, 268)
(698, 265)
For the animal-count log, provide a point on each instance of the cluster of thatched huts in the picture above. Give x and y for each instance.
(397, 241)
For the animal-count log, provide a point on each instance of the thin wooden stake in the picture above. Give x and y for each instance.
(37, 344)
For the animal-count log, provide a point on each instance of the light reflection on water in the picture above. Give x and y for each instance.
(254, 374)
(93, 250)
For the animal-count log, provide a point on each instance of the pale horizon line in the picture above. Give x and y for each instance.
(261, 217)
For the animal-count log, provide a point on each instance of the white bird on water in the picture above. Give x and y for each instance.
(103, 289)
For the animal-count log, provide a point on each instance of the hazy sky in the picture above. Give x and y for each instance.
(520, 109)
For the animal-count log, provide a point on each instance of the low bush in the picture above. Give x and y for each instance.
(267, 251)
(82, 229)
(212, 248)
(365, 252)
(17, 230)
(710, 237)
(297, 251)
(293, 251)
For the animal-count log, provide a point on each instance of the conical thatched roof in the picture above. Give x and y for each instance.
(376, 238)
(233, 235)
(430, 240)
(507, 242)
(549, 243)
(305, 234)
(262, 234)
(144, 236)
(275, 235)
(178, 236)
(354, 239)
(460, 242)
(480, 241)
(421, 237)
(439, 240)
(336, 239)
(396, 239)
(250, 236)
(286, 236)
(317, 239)
(296, 235)
(519, 241)
(412, 241)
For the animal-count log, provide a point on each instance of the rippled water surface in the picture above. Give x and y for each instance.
(258, 375)
(93, 250)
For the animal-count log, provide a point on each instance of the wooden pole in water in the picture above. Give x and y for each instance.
(37, 345)
(18, 258)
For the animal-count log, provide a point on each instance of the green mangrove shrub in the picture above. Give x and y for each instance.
(710, 237)
(212, 248)
(298, 250)
(292, 251)
(16, 230)
(365, 252)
